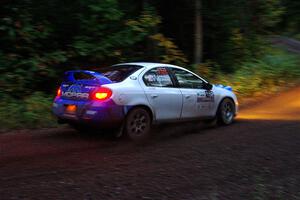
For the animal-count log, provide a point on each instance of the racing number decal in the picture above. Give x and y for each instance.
(162, 71)
(210, 95)
(207, 97)
(158, 77)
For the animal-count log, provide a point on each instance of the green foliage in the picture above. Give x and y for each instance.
(101, 30)
(31, 112)
(169, 52)
(264, 75)
(233, 29)
(290, 21)
(38, 45)
(24, 58)
(270, 13)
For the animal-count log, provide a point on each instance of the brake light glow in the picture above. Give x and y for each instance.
(58, 94)
(102, 94)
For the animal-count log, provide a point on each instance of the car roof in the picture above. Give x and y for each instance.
(148, 64)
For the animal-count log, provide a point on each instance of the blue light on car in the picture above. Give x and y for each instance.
(225, 87)
(228, 88)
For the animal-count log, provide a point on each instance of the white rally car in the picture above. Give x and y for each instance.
(133, 96)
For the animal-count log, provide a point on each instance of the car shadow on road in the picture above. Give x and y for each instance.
(174, 131)
(160, 133)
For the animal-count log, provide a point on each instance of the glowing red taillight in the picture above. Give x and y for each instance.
(102, 94)
(58, 94)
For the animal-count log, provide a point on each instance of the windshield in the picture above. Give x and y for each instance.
(119, 73)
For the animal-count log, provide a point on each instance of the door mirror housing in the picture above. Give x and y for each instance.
(207, 86)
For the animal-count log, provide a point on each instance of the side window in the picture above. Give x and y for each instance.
(158, 77)
(187, 80)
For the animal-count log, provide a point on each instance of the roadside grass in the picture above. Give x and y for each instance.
(275, 71)
(31, 112)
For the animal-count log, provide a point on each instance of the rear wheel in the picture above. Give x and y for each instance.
(138, 124)
(226, 112)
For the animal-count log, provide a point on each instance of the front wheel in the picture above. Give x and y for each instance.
(226, 112)
(138, 124)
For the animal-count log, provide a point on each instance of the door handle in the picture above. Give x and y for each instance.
(153, 96)
(187, 96)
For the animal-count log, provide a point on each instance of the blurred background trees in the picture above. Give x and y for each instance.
(41, 40)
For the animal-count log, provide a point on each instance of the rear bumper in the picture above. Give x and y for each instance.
(101, 114)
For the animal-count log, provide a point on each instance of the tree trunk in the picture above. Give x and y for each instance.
(198, 52)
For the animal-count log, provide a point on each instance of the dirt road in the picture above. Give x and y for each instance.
(258, 157)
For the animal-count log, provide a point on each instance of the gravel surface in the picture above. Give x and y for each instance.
(254, 158)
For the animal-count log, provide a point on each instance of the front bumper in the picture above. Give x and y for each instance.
(103, 114)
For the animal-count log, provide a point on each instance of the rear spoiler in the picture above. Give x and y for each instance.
(92, 77)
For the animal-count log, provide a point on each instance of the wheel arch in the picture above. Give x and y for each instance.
(149, 110)
(222, 99)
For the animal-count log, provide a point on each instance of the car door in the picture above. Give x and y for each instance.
(197, 101)
(164, 98)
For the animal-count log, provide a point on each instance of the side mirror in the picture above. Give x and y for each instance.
(207, 86)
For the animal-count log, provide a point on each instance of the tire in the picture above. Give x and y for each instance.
(226, 112)
(138, 124)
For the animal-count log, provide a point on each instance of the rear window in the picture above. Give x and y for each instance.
(119, 73)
